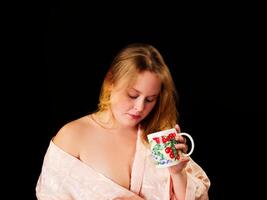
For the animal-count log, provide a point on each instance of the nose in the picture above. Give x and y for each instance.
(139, 105)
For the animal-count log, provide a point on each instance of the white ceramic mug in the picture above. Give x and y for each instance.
(162, 145)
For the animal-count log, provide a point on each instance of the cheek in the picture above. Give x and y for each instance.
(125, 106)
(150, 107)
(122, 104)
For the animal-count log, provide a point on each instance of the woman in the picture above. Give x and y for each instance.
(105, 155)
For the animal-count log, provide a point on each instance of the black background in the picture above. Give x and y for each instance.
(214, 53)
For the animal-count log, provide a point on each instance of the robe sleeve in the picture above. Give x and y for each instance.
(198, 183)
(49, 186)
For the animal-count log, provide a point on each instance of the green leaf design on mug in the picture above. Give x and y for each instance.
(173, 142)
(158, 147)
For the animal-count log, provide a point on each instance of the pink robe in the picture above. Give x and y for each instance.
(64, 177)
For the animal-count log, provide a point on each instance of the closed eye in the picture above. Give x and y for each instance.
(132, 96)
(149, 100)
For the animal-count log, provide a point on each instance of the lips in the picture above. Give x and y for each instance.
(135, 117)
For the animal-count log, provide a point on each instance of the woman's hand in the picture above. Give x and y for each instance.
(180, 147)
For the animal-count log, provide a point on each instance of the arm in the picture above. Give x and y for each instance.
(48, 185)
(52, 177)
(179, 179)
(188, 180)
(191, 184)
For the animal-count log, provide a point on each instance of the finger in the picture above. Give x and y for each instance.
(182, 147)
(180, 139)
(185, 149)
(177, 127)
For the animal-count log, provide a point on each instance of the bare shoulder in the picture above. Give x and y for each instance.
(69, 137)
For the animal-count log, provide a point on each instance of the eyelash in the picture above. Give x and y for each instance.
(134, 97)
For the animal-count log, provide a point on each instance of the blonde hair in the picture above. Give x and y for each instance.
(130, 61)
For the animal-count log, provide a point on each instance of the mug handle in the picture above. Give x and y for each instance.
(192, 143)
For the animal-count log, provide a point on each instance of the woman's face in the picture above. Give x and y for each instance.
(130, 105)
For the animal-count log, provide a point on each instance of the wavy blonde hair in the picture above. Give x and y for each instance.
(130, 61)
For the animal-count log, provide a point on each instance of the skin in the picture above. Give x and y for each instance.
(98, 139)
(131, 105)
(178, 174)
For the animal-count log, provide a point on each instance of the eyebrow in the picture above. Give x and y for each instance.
(140, 92)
